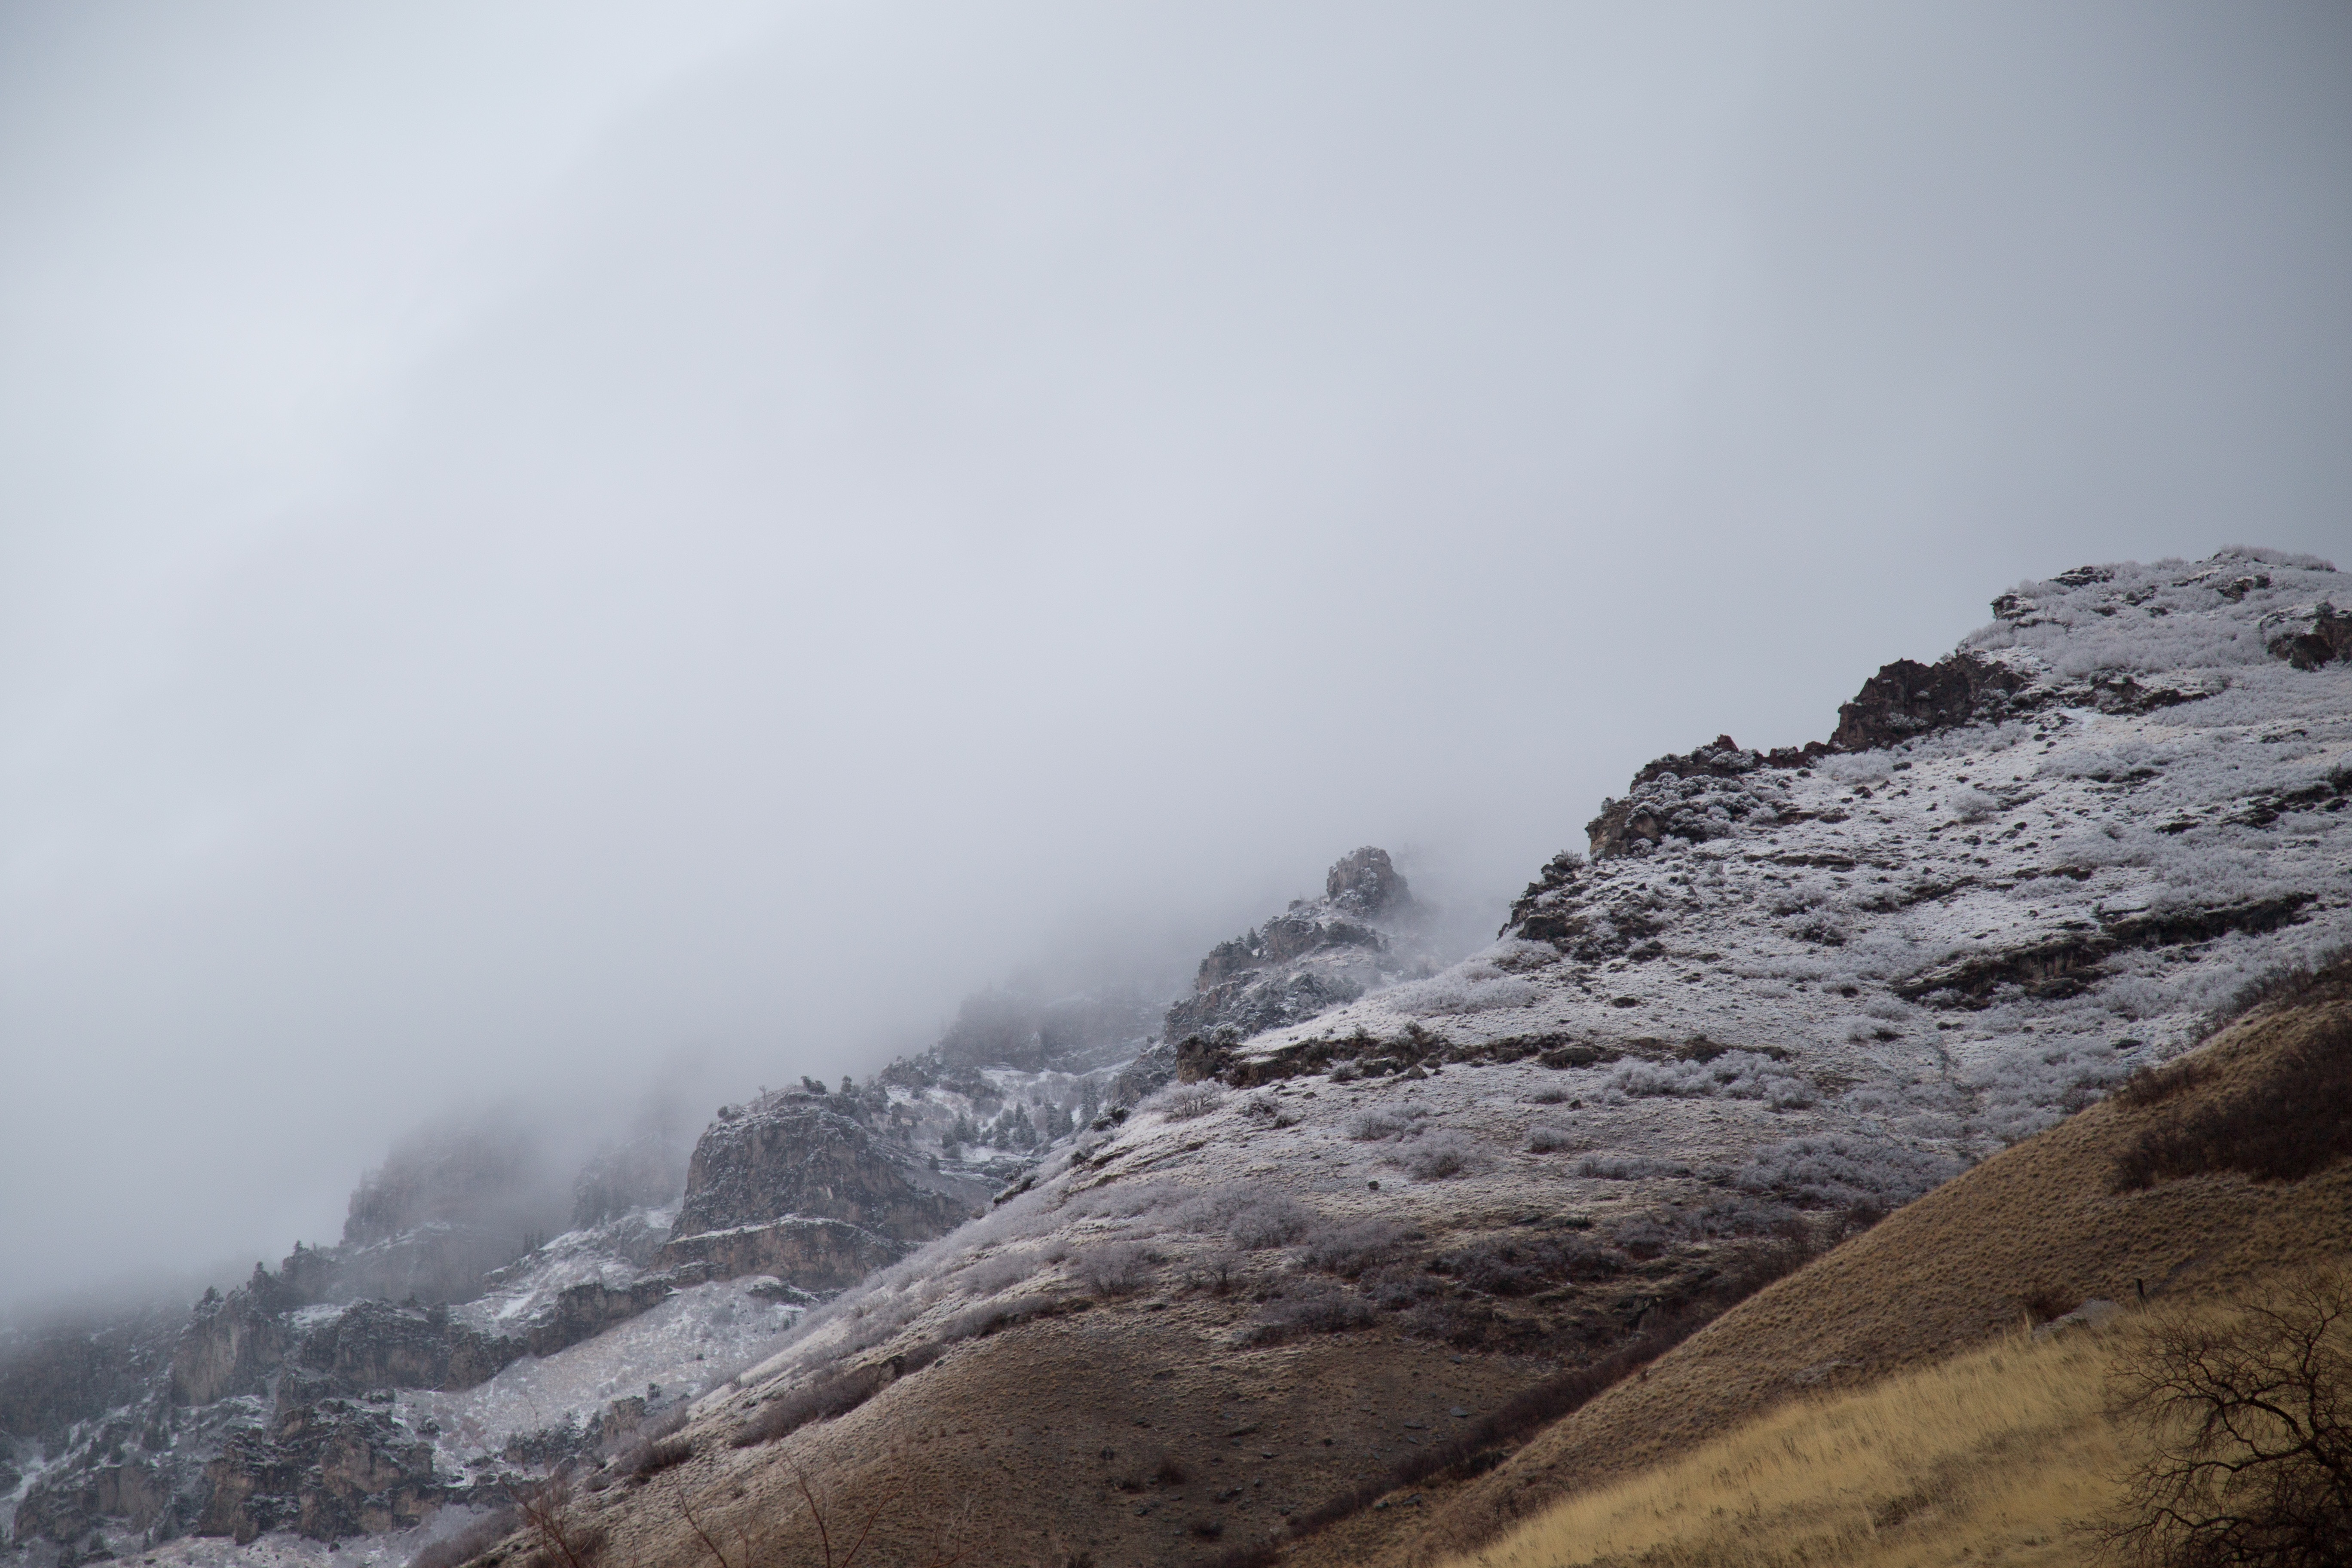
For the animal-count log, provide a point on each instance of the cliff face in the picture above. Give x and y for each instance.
(1362, 933)
(792, 1186)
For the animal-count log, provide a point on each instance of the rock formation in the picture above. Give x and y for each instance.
(794, 1187)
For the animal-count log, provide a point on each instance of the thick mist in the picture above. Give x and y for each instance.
(553, 554)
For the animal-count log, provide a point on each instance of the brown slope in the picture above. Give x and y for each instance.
(1121, 1434)
(2033, 1230)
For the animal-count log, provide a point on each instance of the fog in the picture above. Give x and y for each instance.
(550, 554)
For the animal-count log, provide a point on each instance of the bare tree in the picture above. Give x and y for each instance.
(2251, 1463)
(546, 1514)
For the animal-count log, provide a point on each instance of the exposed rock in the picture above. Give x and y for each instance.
(797, 1189)
(328, 1468)
(812, 1253)
(1704, 794)
(1312, 957)
(375, 1345)
(1366, 883)
(231, 1346)
(2062, 967)
(2309, 635)
(1906, 698)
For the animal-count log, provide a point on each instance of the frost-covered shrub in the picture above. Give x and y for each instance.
(1628, 1168)
(1837, 1172)
(1251, 1216)
(990, 1275)
(1737, 1214)
(1115, 1267)
(1371, 1126)
(1523, 1264)
(1640, 1237)
(1734, 1075)
(1183, 1101)
(1349, 1249)
(1273, 1220)
(1473, 987)
(2030, 1087)
(1437, 1155)
(1308, 1306)
(1969, 804)
(1543, 1139)
(1547, 1094)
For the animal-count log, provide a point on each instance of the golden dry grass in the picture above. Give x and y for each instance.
(1999, 1455)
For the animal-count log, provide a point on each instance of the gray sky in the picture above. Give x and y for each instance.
(544, 543)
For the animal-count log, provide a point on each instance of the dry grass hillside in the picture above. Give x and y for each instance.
(2135, 1191)
(1999, 1455)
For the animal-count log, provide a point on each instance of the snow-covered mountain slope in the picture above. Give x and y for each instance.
(1787, 991)
(1960, 936)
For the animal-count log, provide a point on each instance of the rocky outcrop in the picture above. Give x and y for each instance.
(808, 1253)
(793, 1187)
(2309, 635)
(1366, 883)
(1312, 957)
(1906, 698)
(231, 1346)
(328, 1468)
(375, 1345)
(1708, 793)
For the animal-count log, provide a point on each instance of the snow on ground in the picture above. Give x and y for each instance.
(677, 1351)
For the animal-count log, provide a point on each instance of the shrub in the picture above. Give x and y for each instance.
(1184, 1102)
(1349, 1249)
(1370, 1126)
(666, 1454)
(1115, 1268)
(2252, 1459)
(2295, 1121)
(1628, 1168)
(1843, 1172)
(1550, 1139)
(1523, 1264)
(834, 1394)
(1437, 1156)
(2151, 1087)
(1310, 1307)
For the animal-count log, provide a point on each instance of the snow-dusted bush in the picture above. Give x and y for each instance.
(1308, 1307)
(1628, 1168)
(1835, 1171)
(1734, 1075)
(1250, 1216)
(1472, 986)
(1371, 1126)
(1434, 1156)
(2030, 1087)
(1183, 1101)
(1547, 1094)
(1115, 1267)
(1543, 1139)
(1349, 1249)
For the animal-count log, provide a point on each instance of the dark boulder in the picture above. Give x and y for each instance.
(1906, 698)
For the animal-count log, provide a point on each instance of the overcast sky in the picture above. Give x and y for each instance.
(540, 544)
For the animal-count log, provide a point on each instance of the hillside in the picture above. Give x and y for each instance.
(1789, 990)
(2030, 1235)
